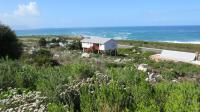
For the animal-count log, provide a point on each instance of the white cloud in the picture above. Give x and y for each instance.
(29, 9)
(25, 15)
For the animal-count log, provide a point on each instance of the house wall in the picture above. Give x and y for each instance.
(87, 45)
(110, 45)
(102, 47)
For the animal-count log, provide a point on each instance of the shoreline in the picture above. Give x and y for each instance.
(121, 39)
(182, 42)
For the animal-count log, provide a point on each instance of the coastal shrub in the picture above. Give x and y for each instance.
(177, 97)
(81, 70)
(106, 98)
(53, 107)
(8, 70)
(57, 40)
(114, 65)
(180, 97)
(45, 79)
(125, 91)
(15, 74)
(43, 57)
(50, 79)
(27, 77)
(171, 70)
(54, 40)
(9, 44)
(169, 74)
(76, 45)
(42, 42)
(48, 82)
(128, 51)
(86, 72)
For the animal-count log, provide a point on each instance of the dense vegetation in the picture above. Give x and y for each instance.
(93, 85)
(42, 42)
(9, 45)
(126, 89)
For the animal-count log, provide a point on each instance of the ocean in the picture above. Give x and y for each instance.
(176, 34)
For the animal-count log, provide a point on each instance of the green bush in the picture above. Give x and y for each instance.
(43, 57)
(106, 98)
(115, 65)
(76, 45)
(42, 42)
(56, 108)
(15, 74)
(178, 97)
(9, 44)
(125, 91)
(50, 79)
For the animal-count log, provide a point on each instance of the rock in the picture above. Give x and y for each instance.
(32, 51)
(158, 76)
(56, 55)
(36, 110)
(175, 81)
(34, 104)
(85, 55)
(153, 80)
(4, 101)
(117, 60)
(42, 108)
(134, 51)
(143, 67)
(61, 44)
(126, 54)
(129, 59)
(152, 77)
(10, 110)
(30, 109)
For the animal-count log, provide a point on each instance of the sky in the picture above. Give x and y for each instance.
(33, 14)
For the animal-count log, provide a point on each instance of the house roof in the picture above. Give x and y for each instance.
(96, 40)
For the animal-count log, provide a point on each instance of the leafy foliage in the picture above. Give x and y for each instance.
(43, 57)
(9, 45)
(42, 42)
(76, 45)
(125, 91)
(56, 108)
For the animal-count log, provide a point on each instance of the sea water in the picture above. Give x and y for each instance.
(178, 34)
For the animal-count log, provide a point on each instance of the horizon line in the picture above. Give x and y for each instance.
(103, 27)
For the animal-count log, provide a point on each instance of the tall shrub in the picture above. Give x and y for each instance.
(42, 42)
(9, 44)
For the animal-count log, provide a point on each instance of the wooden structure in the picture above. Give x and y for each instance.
(99, 45)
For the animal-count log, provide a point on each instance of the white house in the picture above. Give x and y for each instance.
(98, 44)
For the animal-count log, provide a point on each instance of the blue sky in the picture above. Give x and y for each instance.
(23, 14)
